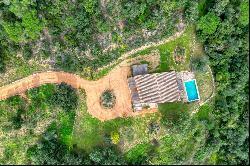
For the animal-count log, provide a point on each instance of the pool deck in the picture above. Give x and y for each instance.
(184, 76)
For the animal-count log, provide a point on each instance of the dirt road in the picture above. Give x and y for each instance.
(116, 80)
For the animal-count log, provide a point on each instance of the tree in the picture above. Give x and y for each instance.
(32, 26)
(65, 97)
(208, 23)
(228, 51)
(106, 156)
(192, 12)
(20, 21)
(19, 8)
(14, 31)
(244, 11)
(199, 63)
(49, 151)
(89, 5)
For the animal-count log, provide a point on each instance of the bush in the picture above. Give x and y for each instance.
(27, 52)
(115, 137)
(208, 23)
(179, 54)
(51, 152)
(153, 128)
(199, 63)
(138, 155)
(107, 99)
(204, 111)
(106, 156)
(127, 133)
(192, 12)
(2, 64)
(174, 114)
(65, 97)
(244, 8)
(18, 120)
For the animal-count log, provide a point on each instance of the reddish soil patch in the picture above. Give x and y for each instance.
(115, 80)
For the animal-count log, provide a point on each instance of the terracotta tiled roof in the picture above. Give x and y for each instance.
(157, 88)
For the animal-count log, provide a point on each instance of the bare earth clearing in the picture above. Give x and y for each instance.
(115, 80)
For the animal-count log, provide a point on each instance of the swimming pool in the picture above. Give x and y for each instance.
(192, 90)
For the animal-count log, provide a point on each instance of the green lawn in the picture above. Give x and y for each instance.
(173, 112)
(176, 147)
(167, 51)
(89, 132)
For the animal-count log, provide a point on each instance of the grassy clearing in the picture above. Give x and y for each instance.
(173, 112)
(89, 132)
(167, 52)
(205, 84)
(175, 148)
(137, 153)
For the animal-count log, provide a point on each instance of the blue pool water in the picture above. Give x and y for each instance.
(192, 91)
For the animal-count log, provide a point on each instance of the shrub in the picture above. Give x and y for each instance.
(192, 12)
(40, 97)
(107, 99)
(50, 151)
(179, 54)
(244, 8)
(208, 23)
(2, 63)
(27, 52)
(199, 63)
(138, 155)
(174, 115)
(65, 97)
(115, 137)
(17, 120)
(127, 133)
(203, 114)
(105, 156)
(153, 128)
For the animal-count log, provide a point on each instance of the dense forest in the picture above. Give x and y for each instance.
(225, 32)
(75, 35)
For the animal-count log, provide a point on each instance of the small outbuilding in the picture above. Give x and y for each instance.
(140, 69)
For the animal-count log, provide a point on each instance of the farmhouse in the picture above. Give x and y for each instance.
(148, 90)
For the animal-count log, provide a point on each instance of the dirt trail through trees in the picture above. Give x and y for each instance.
(115, 80)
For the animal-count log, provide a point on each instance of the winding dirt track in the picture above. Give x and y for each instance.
(116, 80)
